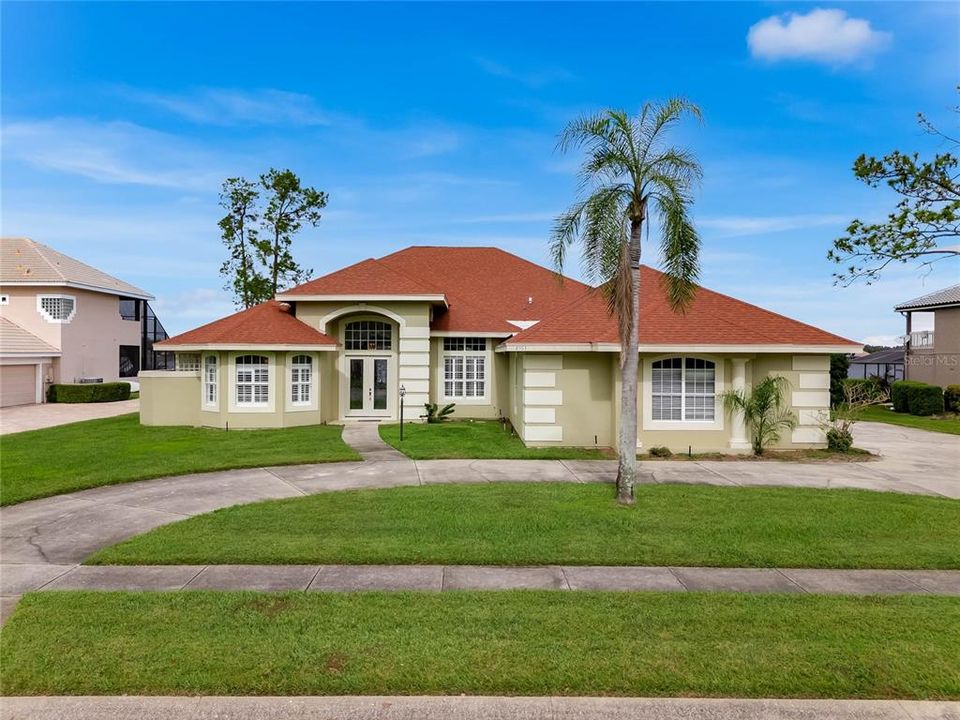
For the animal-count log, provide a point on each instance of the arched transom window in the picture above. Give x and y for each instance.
(253, 380)
(301, 379)
(368, 335)
(683, 388)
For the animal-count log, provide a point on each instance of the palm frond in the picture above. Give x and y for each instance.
(680, 249)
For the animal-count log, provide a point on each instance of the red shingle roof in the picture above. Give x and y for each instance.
(711, 319)
(486, 287)
(367, 277)
(263, 324)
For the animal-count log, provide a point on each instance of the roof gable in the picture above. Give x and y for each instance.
(711, 319)
(269, 323)
(27, 262)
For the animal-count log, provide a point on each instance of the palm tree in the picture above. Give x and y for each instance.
(763, 410)
(629, 170)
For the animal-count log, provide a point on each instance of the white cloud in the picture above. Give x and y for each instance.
(531, 78)
(531, 217)
(822, 35)
(191, 308)
(742, 225)
(223, 106)
(119, 153)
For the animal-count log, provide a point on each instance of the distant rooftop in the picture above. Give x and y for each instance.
(27, 262)
(940, 298)
(881, 357)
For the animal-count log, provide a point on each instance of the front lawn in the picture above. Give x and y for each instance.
(944, 424)
(494, 643)
(565, 524)
(88, 454)
(475, 439)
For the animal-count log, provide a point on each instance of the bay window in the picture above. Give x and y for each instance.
(301, 379)
(210, 381)
(252, 381)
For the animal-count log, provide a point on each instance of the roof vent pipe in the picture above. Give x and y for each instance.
(530, 300)
(284, 307)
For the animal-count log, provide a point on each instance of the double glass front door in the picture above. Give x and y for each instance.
(368, 381)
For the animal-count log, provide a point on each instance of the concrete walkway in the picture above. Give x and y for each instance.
(466, 708)
(19, 579)
(36, 417)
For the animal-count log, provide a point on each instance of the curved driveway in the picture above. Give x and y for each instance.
(39, 535)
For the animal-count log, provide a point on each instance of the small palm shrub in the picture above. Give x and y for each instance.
(437, 414)
(763, 410)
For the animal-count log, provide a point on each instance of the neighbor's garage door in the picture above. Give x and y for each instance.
(18, 385)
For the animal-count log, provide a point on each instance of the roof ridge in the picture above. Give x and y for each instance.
(40, 247)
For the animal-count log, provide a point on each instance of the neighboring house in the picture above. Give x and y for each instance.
(500, 337)
(933, 356)
(62, 321)
(885, 364)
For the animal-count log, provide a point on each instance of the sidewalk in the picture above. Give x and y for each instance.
(467, 708)
(16, 580)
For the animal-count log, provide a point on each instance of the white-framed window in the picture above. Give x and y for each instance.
(252, 380)
(188, 362)
(210, 381)
(464, 367)
(368, 335)
(301, 380)
(683, 389)
(57, 308)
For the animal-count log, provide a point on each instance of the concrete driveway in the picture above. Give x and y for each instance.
(64, 529)
(36, 417)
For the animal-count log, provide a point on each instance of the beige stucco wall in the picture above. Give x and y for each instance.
(411, 320)
(176, 398)
(169, 398)
(89, 342)
(568, 398)
(939, 365)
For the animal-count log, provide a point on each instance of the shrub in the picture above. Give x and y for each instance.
(839, 365)
(925, 400)
(839, 439)
(764, 411)
(900, 395)
(660, 451)
(873, 389)
(951, 398)
(436, 414)
(89, 393)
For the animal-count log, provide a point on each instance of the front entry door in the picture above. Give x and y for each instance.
(368, 385)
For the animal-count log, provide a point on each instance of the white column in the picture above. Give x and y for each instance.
(738, 428)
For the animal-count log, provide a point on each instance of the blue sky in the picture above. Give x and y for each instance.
(436, 123)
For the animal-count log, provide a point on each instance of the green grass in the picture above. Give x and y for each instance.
(559, 523)
(944, 424)
(475, 439)
(88, 454)
(494, 643)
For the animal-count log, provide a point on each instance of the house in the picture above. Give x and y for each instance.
(933, 356)
(62, 321)
(500, 337)
(884, 364)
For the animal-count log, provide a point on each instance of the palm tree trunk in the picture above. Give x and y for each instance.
(629, 361)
